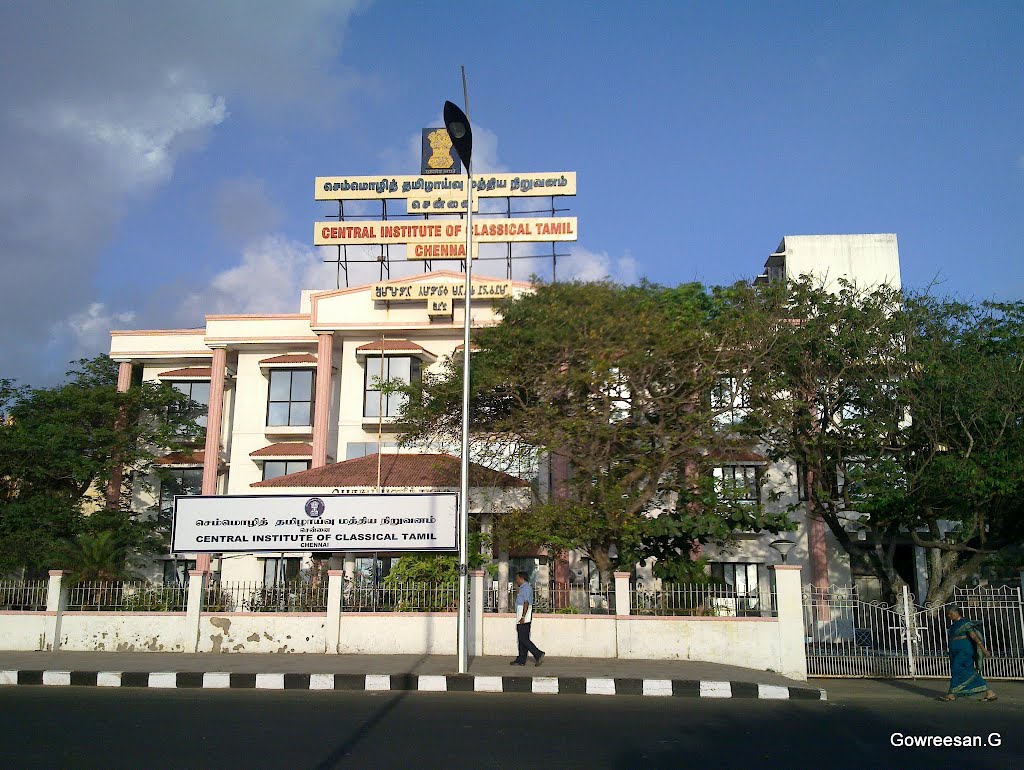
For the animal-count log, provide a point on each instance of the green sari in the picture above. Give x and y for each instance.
(965, 658)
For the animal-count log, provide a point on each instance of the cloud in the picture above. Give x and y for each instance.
(89, 330)
(101, 102)
(585, 265)
(272, 272)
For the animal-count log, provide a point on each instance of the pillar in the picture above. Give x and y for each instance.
(792, 655)
(322, 403)
(56, 603)
(621, 593)
(476, 612)
(211, 455)
(503, 581)
(335, 586)
(197, 582)
(113, 495)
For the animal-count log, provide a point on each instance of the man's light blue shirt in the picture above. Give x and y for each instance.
(525, 595)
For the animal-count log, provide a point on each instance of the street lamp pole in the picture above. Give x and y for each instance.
(457, 124)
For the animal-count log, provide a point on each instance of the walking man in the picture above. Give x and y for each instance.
(524, 618)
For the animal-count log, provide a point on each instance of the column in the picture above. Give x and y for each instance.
(193, 610)
(792, 655)
(335, 586)
(476, 612)
(211, 455)
(56, 603)
(322, 404)
(621, 593)
(113, 495)
(503, 581)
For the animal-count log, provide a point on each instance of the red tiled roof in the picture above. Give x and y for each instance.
(286, 449)
(301, 358)
(386, 345)
(190, 371)
(397, 470)
(181, 458)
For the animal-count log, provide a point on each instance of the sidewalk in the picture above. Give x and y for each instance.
(399, 672)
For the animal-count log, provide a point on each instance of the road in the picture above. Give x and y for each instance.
(82, 727)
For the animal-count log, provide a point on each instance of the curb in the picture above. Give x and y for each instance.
(548, 685)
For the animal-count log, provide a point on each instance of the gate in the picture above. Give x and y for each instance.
(849, 637)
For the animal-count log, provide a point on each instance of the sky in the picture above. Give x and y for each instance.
(157, 159)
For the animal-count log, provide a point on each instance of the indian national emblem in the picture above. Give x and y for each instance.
(315, 507)
(441, 147)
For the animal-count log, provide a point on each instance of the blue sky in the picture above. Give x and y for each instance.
(157, 163)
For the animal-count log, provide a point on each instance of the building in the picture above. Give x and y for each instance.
(295, 407)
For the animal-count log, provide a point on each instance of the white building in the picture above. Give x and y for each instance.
(293, 408)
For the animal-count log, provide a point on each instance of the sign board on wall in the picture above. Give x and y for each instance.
(321, 522)
(489, 230)
(372, 188)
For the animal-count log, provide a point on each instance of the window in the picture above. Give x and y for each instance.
(744, 581)
(184, 481)
(278, 571)
(402, 370)
(291, 397)
(354, 449)
(176, 571)
(802, 493)
(739, 482)
(730, 399)
(272, 469)
(199, 394)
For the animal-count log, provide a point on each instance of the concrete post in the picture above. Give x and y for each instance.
(476, 612)
(503, 581)
(335, 586)
(792, 655)
(193, 610)
(621, 593)
(56, 603)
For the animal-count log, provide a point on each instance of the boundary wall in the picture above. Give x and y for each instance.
(763, 643)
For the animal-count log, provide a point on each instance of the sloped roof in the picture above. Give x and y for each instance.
(301, 358)
(182, 458)
(189, 371)
(397, 470)
(404, 346)
(284, 449)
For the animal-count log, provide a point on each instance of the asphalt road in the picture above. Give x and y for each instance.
(118, 728)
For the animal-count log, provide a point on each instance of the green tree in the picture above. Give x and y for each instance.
(59, 448)
(905, 415)
(962, 461)
(615, 382)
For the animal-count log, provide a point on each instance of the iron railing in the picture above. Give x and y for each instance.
(23, 595)
(399, 597)
(256, 596)
(850, 637)
(126, 596)
(558, 598)
(700, 600)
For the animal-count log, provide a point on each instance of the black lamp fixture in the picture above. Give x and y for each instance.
(461, 133)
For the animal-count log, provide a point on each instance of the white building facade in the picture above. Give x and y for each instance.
(295, 407)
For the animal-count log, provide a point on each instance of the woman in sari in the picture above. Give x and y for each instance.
(966, 651)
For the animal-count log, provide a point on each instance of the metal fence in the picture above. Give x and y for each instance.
(399, 597)
(849, 637)
(256, 596)
(700, 600)
(23, 595)
(558, 598)
(126, 596)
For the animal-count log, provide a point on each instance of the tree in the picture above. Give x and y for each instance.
(59, 447)
(829, 394)
(963, 458)
(615, 382)
(904, 414)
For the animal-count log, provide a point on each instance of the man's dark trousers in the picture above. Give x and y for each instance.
(525, 645)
